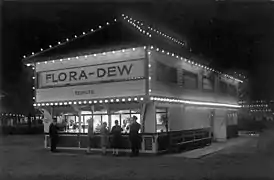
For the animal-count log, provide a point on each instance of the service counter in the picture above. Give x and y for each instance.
(153, 143)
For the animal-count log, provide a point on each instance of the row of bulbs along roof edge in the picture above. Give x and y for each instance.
(151, 47)
(10, 114)
(118, 100)
(115, 20)
(100, 27)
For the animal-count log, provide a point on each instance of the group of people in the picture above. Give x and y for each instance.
(115, 133)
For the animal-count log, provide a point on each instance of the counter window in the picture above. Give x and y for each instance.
(161, 119)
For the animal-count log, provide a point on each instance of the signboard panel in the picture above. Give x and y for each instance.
(86, 92)
(92, 74)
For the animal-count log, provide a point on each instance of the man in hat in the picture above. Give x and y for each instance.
(134, 137)
(53, 133)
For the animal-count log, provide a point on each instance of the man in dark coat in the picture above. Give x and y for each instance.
(53, 133)
(134, 137)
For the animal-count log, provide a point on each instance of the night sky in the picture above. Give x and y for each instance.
(232, 35)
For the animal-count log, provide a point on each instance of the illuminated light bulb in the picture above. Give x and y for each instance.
(28, 65)
(149, 52)
(32, 53)
(106, 101)
(100, 101)
(51, 104)
(113, 52)
(149, 78)
(123, 15)
(77, 57)
(84, 33)
(151, 47)
(111, 100)
(43, 104)
(149, 90)
(33, 98)
(24, 56)
(129, 99)
(65, 103)
(85, 102)
(94, 55)
(123, 50)
(115, 20)
(145, 47)
(60, 104)
(104, 53)
(74, 102)
(59, 42)
(172, 54)
(117, 100)
(163, 51)
(47, 104)
(149, 65)
(33, 87)
(123, 99)
(38, 63)
(68, 59)
(53, 61)
(90, 102)
(61, 60)
(95, 101)
(33, 105)
(157, 49)
(33, 77)
(167, 53)
(41, 49)
(133, 49)
(75, 36)
(135, 99)
(151, 98)
(150, 35)
(100, 27)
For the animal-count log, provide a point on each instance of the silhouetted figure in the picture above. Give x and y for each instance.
(116, 132)
(134, 137)
(53, 133)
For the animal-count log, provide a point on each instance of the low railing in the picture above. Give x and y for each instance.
(185, 139)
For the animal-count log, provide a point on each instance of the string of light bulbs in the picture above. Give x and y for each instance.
(134, 22)
(67, 40)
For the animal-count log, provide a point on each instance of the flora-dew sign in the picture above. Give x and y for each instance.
(92, 74)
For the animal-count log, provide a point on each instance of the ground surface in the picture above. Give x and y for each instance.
(23, 158)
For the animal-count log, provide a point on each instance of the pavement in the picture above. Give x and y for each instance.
(214, 147)
(24, 158)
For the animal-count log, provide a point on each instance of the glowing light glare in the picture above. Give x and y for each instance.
(24, 56)
(149, 65)
(117, 100)
(141, 99)
(95, 102)
(50, 46)
(135, 99)
(129, 99)
(111, 100)
(123, 99)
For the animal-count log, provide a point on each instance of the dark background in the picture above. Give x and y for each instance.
(232, 34)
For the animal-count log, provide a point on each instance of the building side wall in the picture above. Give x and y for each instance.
(175, 90)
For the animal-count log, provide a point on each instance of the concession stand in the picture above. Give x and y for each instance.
(128, 69)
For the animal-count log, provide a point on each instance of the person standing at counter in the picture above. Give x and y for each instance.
(104, 137)
(53, 133)
(117, 137)
(90, 135)
(134, 136)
